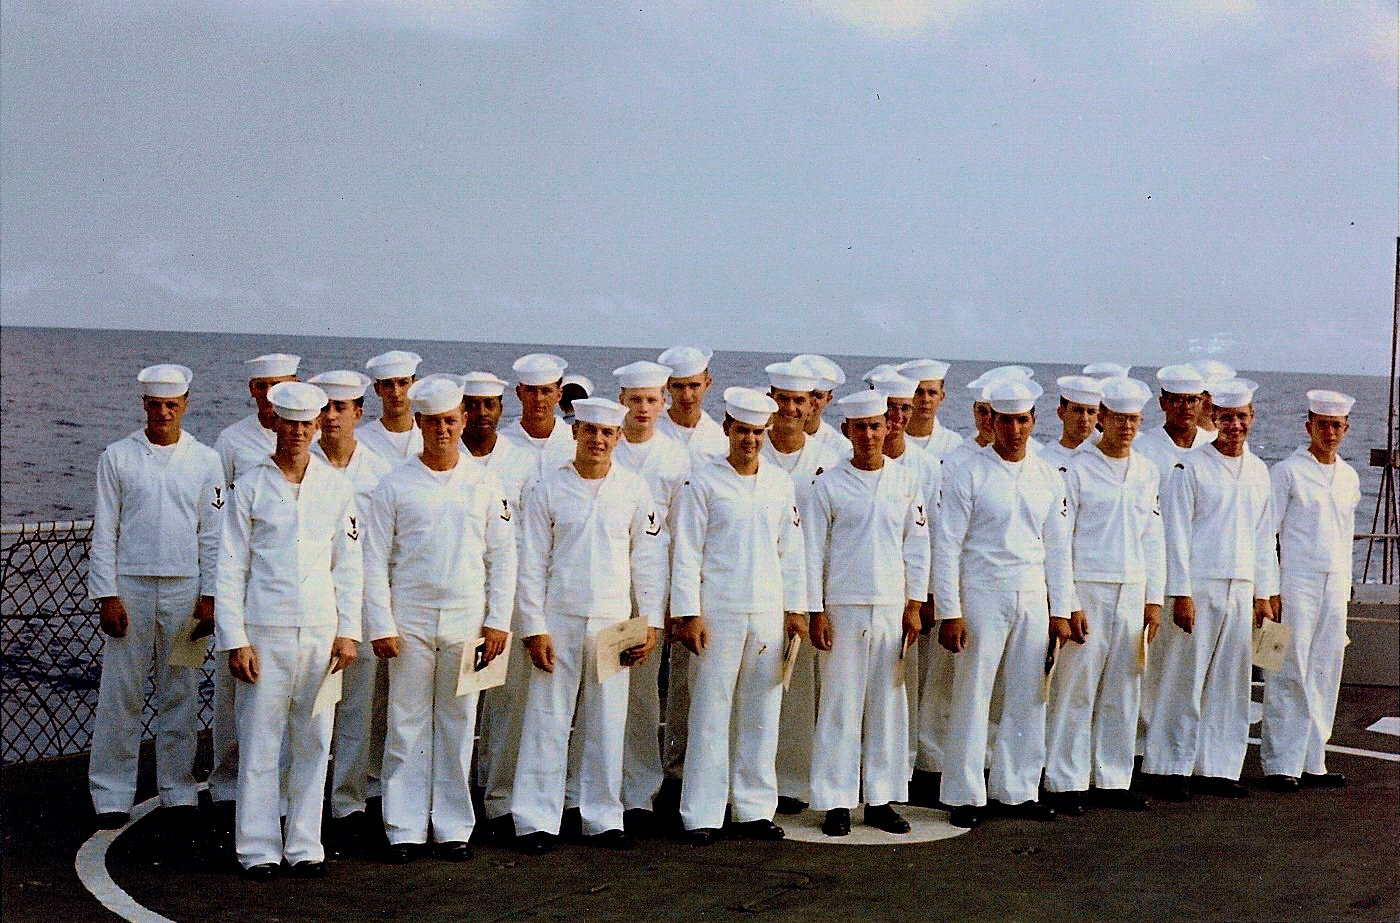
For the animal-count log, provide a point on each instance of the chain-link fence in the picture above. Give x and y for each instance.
(51, 646)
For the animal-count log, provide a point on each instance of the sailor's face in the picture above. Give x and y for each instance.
(163, 414)
(689, 392)
(928, 397)
(294, 436)
(393, 393)
(1205, 410)
(1012, 431)
(258, 388)
(867, 435)
(1180, 409)
(1232, 425)
(594, 442)
(793, 408)
(644, 405)
(1119, 429)
(338, 417)
(1326, 433)
(897, 414)
(441, 430)
(483, 415)
(538, 401)
(1078, 419)
(982, 419)
(745, 440)
(820, 399)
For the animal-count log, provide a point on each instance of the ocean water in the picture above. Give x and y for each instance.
(66, 394)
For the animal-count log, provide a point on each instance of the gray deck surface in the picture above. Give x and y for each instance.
(1316, 855)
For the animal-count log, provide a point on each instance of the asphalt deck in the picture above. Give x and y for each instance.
(1315, 855)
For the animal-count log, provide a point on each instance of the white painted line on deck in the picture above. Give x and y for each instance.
(1389, 726)
(91, 865)
(1351, 751)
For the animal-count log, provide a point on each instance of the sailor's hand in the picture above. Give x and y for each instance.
(795, 625)
(1277, 603)
(927, 616)
(912, 623)
(495, 643)
(821, 631)
(112, 617)
(541, 652)
(1151, 620)
(1263, 609)
(1078, 627)
(952, 634)
(243, 664)
(692, 633)
(204, 609)
(1184, 613)
(343, 653)
(636, 655)
(385, 648)
(1060, 630)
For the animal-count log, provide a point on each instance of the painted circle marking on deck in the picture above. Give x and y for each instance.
(925, 826)
(91, 866)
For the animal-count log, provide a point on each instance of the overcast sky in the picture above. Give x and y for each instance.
(962, 179)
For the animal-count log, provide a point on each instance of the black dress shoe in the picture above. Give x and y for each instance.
(616, 840)
(571, 826)
(702, 836)
(501, 830)
(265, 872)
(112, 820)
(968, 816)
(453, 851)
(1121, 799)
(1322, 780)
(837, 822)
(535, 844)
(307, 868)
(788, 805)
(883, 817)
(764, 830)
(1284, 785)
(1026, 810)
(1070, 804)
(402, 853)
(1174, 788)
(1222, 787)
(639, 822)
(924, 788)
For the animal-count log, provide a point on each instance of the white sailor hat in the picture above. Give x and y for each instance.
(396, 363)
(1107, 370)
(643, 374)
(685, 361)
(273, 365)
(600, 411)
(1080, 389)
(831, 375)
(793, 376)
(893, 384)
(539, 369)
(482, 384)
(1122, 394)
(1213, 371)
(436, 394)
(296, 400)
(1181, 379)
(1330, 403)
(582, 381)
(1012, 395)
(749, 406)
(1233, 392)
(884, 368)
(862, 404)
(923, 369)
(1001, 372)
(165, 380)
(342, 384)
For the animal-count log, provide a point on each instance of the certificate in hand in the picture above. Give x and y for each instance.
(329, 693)
(474, 676)
(615, 639)
(790, 659)
(187, 650)
(1270, 644)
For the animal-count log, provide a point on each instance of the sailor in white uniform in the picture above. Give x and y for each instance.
(982, 416)
(357, 743)
(571, 389)
(502, 706)
(664, 463)
(393, 436)
(686, 419)
(538, 430)
(1315, 494)
(440, 564)
(792, 385)
(831, 377)
(155, 544)
(1120, 571)
(594, 550)
(866, 531)
(738, 590)
(924, 430)
(1002, 552)
(1217, 511)
(1078, 412)
(242, 446)
(1213, 372)
(290, 588)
